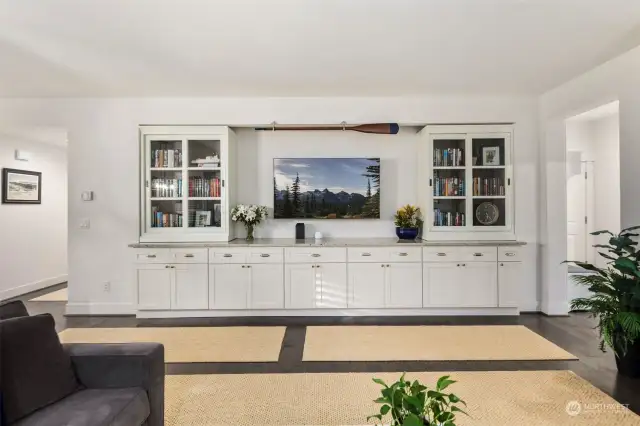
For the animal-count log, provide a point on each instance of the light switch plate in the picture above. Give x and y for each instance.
(85, 224)
(87, 196)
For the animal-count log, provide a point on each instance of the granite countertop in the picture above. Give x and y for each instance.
(329, 242)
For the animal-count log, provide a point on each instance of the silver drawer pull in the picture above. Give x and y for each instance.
(510, 254)
(189, 255)
(365, 254)
(151, 256)
(315, 255)
(227, 255)
(478, 254)
(403, 254)
(265, 255)
(441, 254)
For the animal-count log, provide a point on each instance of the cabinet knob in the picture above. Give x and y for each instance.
(243, 266)
(315, 255)
(248, 266)
(227, 255)
(382, 266)
(189, 255)
(365, 254)
(403, 254)
(441, 254)
(464, 264)
(313, 266)
(167, 266)
(510, 254)
(502, 264)
(265, 255)
(478, 254)
(388, 266)
(151, 256)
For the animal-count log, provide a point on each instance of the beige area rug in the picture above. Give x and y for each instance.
(518, 398)
(429, 343)
(55, 296)
(193, 344)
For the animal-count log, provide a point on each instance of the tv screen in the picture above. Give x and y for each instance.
(326, 188)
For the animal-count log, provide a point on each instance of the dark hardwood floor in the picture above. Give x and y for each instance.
(574, 333)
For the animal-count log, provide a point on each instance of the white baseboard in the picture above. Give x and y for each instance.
(28, 288)
(100, 309)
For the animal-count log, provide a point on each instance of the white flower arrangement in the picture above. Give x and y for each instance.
(249, 214)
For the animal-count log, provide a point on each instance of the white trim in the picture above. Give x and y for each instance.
(28, 288)
(534, 306)
(100, 309)
(328, 312)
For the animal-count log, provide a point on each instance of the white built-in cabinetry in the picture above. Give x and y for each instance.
(298, 280)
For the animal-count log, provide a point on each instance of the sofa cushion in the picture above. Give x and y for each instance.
(13, 309)
(35, 370)
(94, 407)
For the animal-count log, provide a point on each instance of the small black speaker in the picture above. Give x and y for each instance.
(299, 231)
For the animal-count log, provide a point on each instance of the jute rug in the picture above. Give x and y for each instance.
(429, 343)
(55, 296)
(193, 344)
(519, 398)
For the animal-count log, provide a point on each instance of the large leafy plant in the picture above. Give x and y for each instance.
(408, 217)
(615, 299)
(414, 404)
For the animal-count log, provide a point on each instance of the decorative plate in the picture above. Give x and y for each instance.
(487, 213)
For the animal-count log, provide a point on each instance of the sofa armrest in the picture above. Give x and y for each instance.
(123, 365)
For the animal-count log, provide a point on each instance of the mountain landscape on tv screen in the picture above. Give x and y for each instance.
(326, 188)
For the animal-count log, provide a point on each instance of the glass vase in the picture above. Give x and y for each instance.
(249, 231)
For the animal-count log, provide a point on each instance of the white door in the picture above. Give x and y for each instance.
(480, 283)
(442, 284)
(366, 285)
(229, 286)
(404, 285)
(509, 276)
(576, 207)
(300, 286)
(154, 286)
(333, 288)
(190, 286)
(267, 286)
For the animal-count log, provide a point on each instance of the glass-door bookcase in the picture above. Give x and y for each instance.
(466, 183)
(186, 185)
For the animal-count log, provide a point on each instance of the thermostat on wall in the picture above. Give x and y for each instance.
(23, 155)
(87, 196)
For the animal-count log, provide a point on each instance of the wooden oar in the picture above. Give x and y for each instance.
(379, 128)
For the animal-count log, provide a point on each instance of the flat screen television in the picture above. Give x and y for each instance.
(326, 188)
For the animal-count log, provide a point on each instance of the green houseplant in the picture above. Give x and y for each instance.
(414, 404)
(408, 221)
(615, 299)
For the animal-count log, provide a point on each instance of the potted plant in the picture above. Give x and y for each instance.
(414, 404)
(615, 299)
(250, 215)
(408, 221)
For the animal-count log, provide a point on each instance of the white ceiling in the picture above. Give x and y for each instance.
(598, 113)
(305, 47)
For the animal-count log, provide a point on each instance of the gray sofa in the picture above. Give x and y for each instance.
(114, 384)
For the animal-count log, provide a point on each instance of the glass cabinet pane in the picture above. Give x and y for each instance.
(448, 153)
(204, 153)
(166, 214)
(449, 212)
(205, 214)
(165, 184)
(488, 152)
(165, 154)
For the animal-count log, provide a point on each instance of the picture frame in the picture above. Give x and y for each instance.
(21, 186)
(203, 218)
(491, 156)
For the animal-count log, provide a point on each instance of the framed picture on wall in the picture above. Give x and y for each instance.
(21, 187)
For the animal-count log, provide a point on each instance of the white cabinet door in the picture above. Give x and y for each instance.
(333, 285)
(229, 286)
(404, 285)
(481, 284)
(267, 286)
(509, 275)
(190, 286)
(366, 285)
(154, 286)
(300, 286)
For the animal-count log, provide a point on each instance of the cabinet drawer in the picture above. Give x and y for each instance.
(153, 255)
(187, 255)
(315, 254)
(455, 254)
(227, 255)
(264, 255)
(384, 254)
(510, 254)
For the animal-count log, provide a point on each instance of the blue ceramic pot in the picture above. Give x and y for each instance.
(407, 233)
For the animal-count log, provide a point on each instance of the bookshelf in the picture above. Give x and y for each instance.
(187, 182)
(466, 182)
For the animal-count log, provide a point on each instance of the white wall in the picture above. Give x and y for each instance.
(103, 157)
(33, 242)
(618, 79)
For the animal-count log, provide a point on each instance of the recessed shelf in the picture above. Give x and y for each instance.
(449, 197)
(449, 167)
(489, 167)
(165, 169)
(205, 198)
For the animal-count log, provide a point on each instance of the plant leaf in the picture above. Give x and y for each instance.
(444, 382)
(381, 400)
(384, 410)
(380, 382)
(412, 420)
(602, 232)
(455, 409)
(630, 228)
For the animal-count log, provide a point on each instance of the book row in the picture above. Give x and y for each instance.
(166, 158)
(451, 186)
(488, 186)
(204, 187)
(441, 218)
(162, 187)
(161, 219)
(448, 157)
